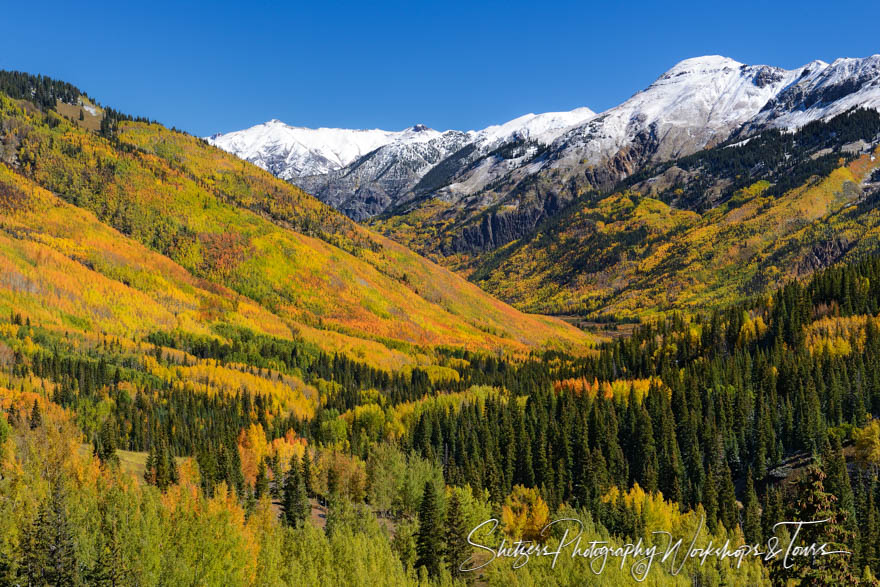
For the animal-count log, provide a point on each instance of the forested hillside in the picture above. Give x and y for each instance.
(709, 229)
(207, 377)
(688, 417)
(245, 239)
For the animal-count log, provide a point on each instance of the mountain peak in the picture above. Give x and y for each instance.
(698, 102)
(703, 64)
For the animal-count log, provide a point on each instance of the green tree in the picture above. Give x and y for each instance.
(751, 512)
(727, 508)
(429, 543)
(48, 555)
(809, 501)
(36, 417)
(294, 501)
(457, 549)
(105, 447)
(308, 481)
(710, 499)
(261, 484)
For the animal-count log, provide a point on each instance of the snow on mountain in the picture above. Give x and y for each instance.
(822, 91)
(698, 103)
(362, 172)
(377, 180)
(291, 152)
(542, 128)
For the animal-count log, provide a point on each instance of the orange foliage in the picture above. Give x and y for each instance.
(619, 389)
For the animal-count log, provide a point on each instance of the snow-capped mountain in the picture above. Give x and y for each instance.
(375, 181)
(698, 103)
(541, 128)
(703, 101)
(291, 152)
(822, 91)
(363, 172)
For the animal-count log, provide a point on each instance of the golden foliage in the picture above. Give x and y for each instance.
(524, 514)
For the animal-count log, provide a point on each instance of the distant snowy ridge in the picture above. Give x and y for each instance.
(300, 151)
(362, 172)
(698, 103)
(293, 151)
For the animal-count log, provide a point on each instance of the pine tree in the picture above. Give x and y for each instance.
(48, 553)
(727, 508)
(837, 482)
(275, 488)
(866, 510)
(772, 512)
(429, 543)
(751, 512)
(457, 549)
(105, 448)
(294, 501)
(36, 417)
(150, 467)
(810, 501)
(710, 500)
(160, 468)
(109, 568)
(308, 482)
(261, 484)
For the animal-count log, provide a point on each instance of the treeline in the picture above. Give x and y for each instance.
(39, 89)
(45, 92)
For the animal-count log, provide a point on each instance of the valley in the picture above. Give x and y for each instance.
(658, 318)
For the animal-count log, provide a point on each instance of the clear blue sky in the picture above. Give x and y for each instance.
(220, 66)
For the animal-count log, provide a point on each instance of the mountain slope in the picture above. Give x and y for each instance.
(697, 104)
(244, 246)
(705, 230)
(365, 172)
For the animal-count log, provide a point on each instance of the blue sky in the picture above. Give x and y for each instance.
(220, 66)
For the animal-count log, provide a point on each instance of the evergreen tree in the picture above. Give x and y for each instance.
(710, 500)
(110, 568)
(810, 501)
(261, 484)
(772, 513)
(728, 512)
(294, 502)
(751, 525)
(160, 468)
(105, 447)
(308, 482)
(429, 541)
(837, 482)
(47, 548)
(457, 549)
(276, 487)
(36, 419)
(332, 482)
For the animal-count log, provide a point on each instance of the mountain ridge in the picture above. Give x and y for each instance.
(197, 237)
(699, 102)
(330, 161)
